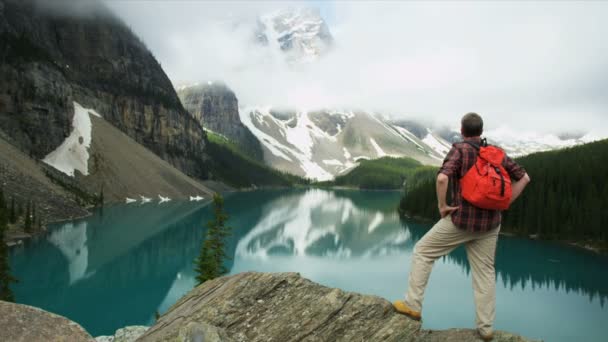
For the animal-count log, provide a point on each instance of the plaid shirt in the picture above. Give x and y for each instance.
(456, 164)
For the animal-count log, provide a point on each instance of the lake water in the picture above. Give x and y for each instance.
(126, 262)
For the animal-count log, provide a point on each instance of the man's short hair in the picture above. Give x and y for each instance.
(472, 125)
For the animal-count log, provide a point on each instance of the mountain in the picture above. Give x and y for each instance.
(300, 34)
(96, 157)
(518, 144)
(231, 165)
(324, 143)
(55, 53)
(515, 143)
(216, 107)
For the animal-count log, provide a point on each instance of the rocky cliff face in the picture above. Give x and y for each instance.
(216, 107)
(51, 56)
(286, 307)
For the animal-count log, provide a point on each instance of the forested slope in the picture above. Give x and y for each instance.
(382, 173)
(565, 200)
(229, 164)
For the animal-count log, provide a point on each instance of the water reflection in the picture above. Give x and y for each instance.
(119, 267)
(322, 223)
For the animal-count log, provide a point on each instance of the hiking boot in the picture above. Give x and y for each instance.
(486, 337)
(403, 308)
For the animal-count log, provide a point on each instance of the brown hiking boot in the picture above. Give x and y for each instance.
(486, 337)
(402, 308)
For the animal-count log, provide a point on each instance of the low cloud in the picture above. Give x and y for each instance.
(535, 66)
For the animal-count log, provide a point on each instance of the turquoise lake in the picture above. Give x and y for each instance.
(124, 263)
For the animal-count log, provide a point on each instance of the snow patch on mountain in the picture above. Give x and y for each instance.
(73, 153)
(298, 140)
(440, 146)
(518, 143)
(379, 150)
(269, 142)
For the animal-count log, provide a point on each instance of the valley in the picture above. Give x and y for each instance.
(124, 125)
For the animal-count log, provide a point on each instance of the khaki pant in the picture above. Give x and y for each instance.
(441, 240)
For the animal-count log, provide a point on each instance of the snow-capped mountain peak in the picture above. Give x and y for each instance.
(518, 143)
(300, 34)
(321, 144)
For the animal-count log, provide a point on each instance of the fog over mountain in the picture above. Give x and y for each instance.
(529, 66)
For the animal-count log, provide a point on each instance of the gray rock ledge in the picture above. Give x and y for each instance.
(286, 307)
(26, 323)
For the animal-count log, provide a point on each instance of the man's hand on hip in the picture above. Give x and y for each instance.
(446, 210)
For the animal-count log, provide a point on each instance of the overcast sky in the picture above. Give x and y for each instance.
(535, 66)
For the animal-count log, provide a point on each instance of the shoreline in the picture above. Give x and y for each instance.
(344, 187)
(583, 245)
(15, 238)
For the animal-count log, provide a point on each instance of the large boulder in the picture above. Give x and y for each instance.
(286, 307)
(126, 334)
(26, 323)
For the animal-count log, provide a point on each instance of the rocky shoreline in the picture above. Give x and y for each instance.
(250, 306)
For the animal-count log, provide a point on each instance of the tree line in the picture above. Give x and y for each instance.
(386, 173)
(5, 276)
(565, 200)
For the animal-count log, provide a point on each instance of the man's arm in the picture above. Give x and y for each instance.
(451, 167)
(518, 175)
(442, 189)
(518, 187)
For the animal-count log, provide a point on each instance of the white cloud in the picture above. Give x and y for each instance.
(531, 65)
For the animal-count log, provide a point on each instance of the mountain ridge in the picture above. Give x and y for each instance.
(50, 59)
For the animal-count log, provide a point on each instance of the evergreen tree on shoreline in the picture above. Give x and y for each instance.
(12, 217)
(210, 262)
(27, 225)
(5, 278)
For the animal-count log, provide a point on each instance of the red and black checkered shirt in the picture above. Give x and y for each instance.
(459, 160)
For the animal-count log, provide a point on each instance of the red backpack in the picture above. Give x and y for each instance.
(487, 184)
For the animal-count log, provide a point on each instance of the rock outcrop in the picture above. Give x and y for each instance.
(216, 107)
(126, 334)
(55, 52)
(26, 323)
(286, 307)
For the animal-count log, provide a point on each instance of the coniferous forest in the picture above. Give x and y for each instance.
(565, 200)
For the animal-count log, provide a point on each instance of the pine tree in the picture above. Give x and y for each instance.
(28, 219)
(34, 216)
(5, 277)
(2, 201)
(210, 263)
(101, 199)
(12, 217)
(206, 268)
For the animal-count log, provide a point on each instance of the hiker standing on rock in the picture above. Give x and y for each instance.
(480, 178)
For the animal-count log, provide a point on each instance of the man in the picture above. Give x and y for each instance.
(462, 223)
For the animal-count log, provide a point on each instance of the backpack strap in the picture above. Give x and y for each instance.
(484, 143)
